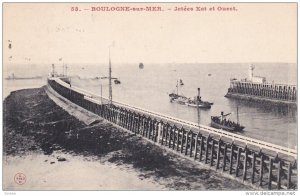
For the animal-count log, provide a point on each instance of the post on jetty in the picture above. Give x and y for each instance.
(109, 74)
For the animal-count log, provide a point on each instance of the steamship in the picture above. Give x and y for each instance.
(183, 100)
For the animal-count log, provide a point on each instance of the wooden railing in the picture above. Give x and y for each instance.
(230, 153)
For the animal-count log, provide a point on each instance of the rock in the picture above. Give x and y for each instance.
(61, 159)
(52, 162)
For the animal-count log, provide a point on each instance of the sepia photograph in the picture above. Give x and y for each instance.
(149, 96)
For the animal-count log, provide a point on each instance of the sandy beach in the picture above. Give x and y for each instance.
(57, 151)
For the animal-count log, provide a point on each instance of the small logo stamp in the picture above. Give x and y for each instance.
(20, 178)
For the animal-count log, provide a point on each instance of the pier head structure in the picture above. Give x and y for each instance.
(256, 88)
(254, 162)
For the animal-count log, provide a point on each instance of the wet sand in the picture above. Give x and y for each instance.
(57, 151)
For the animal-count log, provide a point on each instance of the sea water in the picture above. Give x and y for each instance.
(149, 88)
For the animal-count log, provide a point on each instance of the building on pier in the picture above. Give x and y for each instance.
(256, 88)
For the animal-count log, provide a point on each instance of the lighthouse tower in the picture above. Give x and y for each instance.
(251, 68)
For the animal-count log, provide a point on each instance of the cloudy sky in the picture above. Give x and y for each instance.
(43, 33)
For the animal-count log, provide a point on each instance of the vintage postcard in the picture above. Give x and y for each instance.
(150, 96)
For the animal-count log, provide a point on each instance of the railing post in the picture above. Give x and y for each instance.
(181, 141)
(149, 127)
(177, 141)
(245, 164)
(186, 142)
(238, 162)
(253, 167)
(191, 143)
(154, 132)
(231, 158)
(270, 174)
(201, 148)
(143, 127)
(132, 122)
(129, 121)
(218, 154)
(135, 122)
(289, 174)
(212, 152)
(163, 133)
(224, 157)
(261, 170)
(159, 132)
(138, 124)
(118, 117)
(125, 119)
(279, 175)
(174, 133)
(206, 148)
(170, 135)
(196, 145)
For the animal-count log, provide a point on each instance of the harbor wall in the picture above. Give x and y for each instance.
(269, 92)
(253, 167)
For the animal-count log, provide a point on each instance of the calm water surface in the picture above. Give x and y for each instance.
(149, 88)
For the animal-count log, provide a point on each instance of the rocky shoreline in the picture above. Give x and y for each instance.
(33, 123)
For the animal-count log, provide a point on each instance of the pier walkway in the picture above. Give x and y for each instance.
(249, 160)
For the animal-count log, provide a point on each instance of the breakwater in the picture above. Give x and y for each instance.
(276, 93)
(242, 162)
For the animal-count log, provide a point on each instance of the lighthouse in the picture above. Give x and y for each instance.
(251, 68)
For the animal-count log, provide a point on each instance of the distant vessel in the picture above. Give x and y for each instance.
(256, 88)
(141, 66)
(116, 81)
(220, 122)
(13, 77)
(183, 100)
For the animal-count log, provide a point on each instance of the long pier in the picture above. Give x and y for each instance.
(249, 160)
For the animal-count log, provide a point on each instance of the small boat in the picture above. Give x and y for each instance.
(116, 81)
(220, 122)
